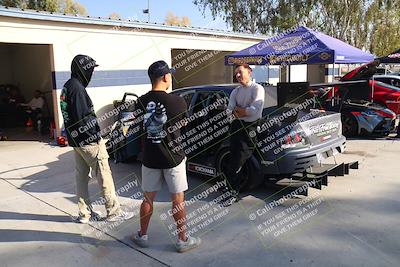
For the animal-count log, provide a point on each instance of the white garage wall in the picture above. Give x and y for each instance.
(115, 50)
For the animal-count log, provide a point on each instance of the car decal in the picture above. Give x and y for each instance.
(202, 169)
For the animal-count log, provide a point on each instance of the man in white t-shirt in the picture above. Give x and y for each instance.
(34, 107)
(37, 102)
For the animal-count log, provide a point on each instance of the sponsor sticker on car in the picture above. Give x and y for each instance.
(202, 169)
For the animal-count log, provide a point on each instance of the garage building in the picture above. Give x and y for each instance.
(36, 49)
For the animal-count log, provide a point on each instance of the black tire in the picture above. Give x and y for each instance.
(250, 174)
(349, 125)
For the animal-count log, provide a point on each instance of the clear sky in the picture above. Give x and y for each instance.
(158, 11)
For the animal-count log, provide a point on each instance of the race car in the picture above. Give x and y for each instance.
(377, 89)
(359, 116)
(366, 119)
(294, 134)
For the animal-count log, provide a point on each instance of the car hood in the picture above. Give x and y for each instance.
(364, 72)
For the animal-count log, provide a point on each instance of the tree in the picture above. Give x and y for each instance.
(385, 32)
(10, 3)
(42, 5)
(114, 16)
(368, 24)
(186, 21)
(72, 7)
(63, 6)
(173, 20)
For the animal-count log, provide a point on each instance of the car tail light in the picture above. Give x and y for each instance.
(294, 139)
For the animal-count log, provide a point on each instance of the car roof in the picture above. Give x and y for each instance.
(387, 76)
(208, 87)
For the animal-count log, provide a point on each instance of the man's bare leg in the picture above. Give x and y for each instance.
(146, 210)
(179, 213)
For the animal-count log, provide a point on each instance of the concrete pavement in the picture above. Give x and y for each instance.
(352, 222)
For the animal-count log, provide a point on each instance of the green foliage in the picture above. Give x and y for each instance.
(72, 7)
(368, 24)
(63, 6)
(43, 5)
(10, 3)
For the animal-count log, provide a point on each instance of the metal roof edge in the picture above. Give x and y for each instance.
(58, 17)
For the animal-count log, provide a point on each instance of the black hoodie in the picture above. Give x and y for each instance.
(80, 120)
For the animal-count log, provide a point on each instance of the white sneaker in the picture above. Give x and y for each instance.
(140, 240)
(190, 243)
(121, 216)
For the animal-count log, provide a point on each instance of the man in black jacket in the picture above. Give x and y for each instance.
(83, 134)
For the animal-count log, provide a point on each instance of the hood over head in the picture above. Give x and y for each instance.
(82, 68)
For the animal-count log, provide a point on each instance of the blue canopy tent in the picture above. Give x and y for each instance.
(301, 46)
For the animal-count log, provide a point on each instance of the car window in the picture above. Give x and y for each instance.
(390, 81)
(214, 97)
(388, 85)
(201, 101)
(188, 96)
(381, 79)
(206, 98)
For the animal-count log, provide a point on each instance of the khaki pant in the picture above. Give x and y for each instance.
(94, 157)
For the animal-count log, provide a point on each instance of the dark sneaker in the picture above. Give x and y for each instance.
(94, 217)
(82, 219)
(120, 216)
(140, 240)
(190, 243)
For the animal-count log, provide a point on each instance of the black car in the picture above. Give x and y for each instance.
(291, 136)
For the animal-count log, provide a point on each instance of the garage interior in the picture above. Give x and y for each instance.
(24, 68)
(198, 67)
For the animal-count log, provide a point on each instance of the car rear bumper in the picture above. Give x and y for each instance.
(297, 160)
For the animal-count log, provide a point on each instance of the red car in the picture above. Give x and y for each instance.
(379, 92)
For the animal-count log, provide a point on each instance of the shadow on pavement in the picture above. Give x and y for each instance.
(5, 215)
(9, 235)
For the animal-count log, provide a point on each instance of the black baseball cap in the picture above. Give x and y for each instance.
(85, 62)
(159, 69)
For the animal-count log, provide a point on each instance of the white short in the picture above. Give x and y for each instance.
(175, 177)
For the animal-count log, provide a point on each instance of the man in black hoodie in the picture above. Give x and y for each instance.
(83, 134)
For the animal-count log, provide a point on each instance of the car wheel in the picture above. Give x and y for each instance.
(349, 125)
(250, 176)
